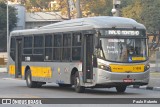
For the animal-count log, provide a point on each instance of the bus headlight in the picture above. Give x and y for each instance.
(104, 67)
(146, 67)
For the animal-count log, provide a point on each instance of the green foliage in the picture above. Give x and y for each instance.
(38, 5)
(125, 3)
(101, 7)
(144, 11)
(88, 7)
(133, 11)
(151, 15)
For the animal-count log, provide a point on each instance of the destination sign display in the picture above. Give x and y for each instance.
(121, 33)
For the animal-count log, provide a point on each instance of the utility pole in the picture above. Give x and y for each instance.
(68, 10)
(116, 8)
(7, 32)
(7, 25)
(78, 8)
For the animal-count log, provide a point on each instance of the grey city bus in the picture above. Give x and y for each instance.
(89, 52)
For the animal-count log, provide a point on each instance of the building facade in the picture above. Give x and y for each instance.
(38, 19)
(28, 20)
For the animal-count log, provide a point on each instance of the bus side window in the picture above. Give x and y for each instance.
(76, 53)
(38, 52)
(48, 46)
(76, 39)
(66, 47)
(76, 46)
(27, 46)
(57, 50)
(57, 40)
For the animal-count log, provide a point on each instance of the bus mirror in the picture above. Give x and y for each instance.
(100, 44)
(97, 42)
(94, 61)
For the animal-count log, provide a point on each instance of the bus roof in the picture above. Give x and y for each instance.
(98, 22)
(86, 23)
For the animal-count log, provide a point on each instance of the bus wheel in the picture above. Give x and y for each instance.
(38, 84)
(65, 85)
(30, 83)
(78, 88)
(121, 89)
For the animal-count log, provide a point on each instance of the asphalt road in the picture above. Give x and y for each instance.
(17, 89)
(12, 88)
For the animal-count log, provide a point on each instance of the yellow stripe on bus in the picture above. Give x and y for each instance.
(36, 71)
(127, 68)
(41, 71)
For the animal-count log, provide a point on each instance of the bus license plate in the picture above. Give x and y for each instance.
(127, 80)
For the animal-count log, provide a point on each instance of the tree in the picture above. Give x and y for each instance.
(96, 7)
(88, 7)
(3, 23)
(151, 15)
(134, 10)
(146, 12)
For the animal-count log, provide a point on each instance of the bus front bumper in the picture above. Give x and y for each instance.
(114, 79)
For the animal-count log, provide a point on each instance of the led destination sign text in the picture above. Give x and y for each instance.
(123, 32)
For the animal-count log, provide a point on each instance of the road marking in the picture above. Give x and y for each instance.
(19, 96)
(30, 96)
(11, 79)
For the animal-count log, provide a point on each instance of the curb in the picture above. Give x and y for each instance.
(147, 87)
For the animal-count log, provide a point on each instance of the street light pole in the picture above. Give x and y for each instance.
(78, 7)
(7, 25)
(7, 33)
(68, 10)
(116, 8)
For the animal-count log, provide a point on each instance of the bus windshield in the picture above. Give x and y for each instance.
(123, 50)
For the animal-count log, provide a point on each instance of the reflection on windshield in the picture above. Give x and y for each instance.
(123, 50)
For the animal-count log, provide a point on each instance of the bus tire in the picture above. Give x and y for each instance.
(65, 85)
(121, 89)
(38, 84)
(78, 88)
(30, 83)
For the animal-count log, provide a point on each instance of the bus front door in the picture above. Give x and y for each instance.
(18, 58)
(87, 58)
